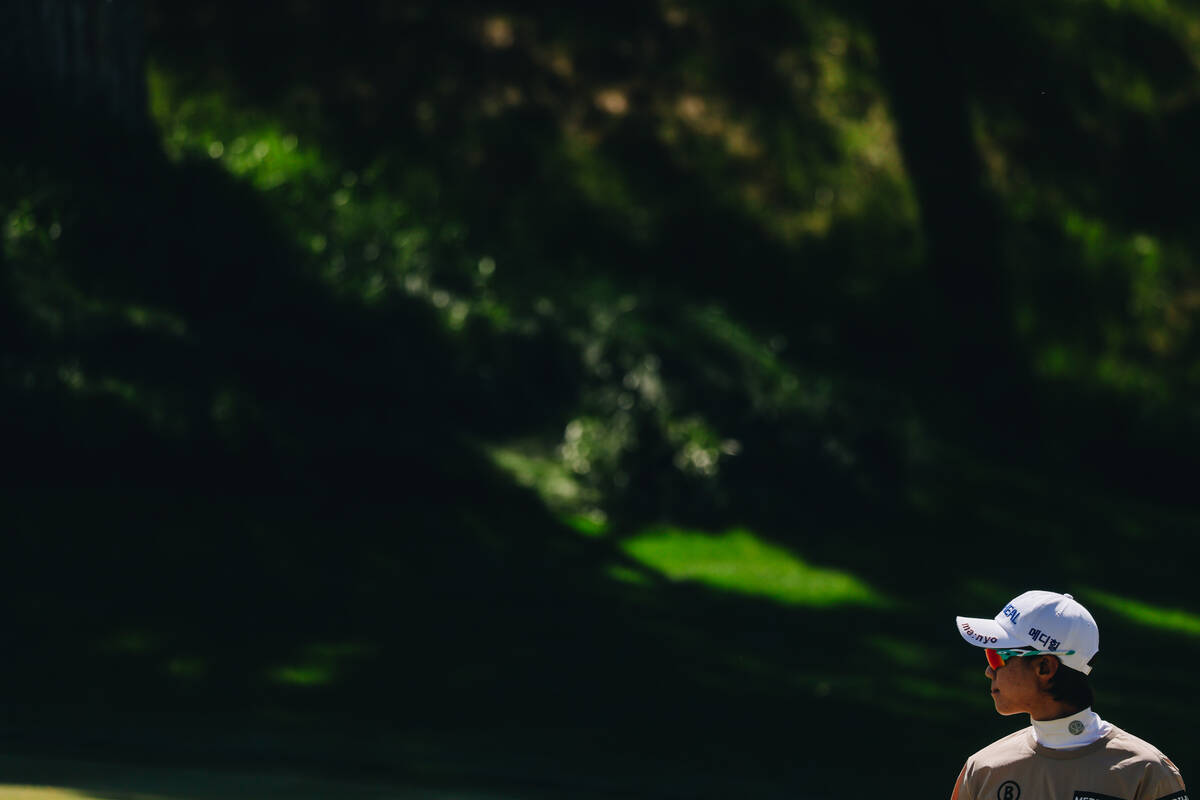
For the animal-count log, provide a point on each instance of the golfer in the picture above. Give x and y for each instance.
(1039, 651)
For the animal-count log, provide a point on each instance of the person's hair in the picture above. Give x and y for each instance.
(1071, 686)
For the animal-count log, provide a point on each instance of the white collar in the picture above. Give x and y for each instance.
(1078, 730)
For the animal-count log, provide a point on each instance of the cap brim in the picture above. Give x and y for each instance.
(986, 633)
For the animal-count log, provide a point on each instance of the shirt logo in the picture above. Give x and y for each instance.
(1009, 790)
(1082, 795)
(1076, 728)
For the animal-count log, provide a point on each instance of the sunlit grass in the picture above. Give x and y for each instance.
(739, 561)
(592, 525)
(627, 575)
(48, 793)
(1174, 620)
(303, 675)
(320, 664)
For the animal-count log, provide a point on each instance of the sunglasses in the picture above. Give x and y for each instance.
(996, 658)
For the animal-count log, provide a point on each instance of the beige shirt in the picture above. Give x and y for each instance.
(1117, 766)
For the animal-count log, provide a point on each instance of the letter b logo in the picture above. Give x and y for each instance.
(1009, 790)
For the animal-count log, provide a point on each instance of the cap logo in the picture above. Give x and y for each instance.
(979, 637)
(1040, 636)
(1011, 612)
(1076, 727)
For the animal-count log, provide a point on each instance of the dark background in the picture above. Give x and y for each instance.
(348, 352)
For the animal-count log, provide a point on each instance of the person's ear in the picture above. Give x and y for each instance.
(1047, 666)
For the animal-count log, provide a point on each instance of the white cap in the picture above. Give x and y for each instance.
(1046, 621)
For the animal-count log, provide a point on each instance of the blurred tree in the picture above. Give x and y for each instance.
(81, 56)
(926, 58)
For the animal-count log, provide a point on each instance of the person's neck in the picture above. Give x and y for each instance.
(1052, 709)
(1080, 729)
